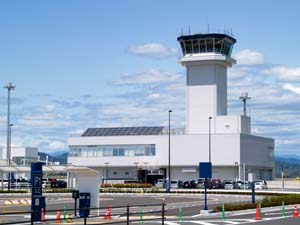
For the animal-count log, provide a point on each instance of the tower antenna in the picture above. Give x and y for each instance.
(244, 97)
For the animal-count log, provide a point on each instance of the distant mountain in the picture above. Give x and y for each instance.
(58, 153)
(289, 165)
(62, 158)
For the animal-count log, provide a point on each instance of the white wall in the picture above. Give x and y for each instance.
(185, 150)
(86, 183)
(232, 124)
(206, 95)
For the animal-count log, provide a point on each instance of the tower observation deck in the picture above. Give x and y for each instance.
(206, 43)
(206, 58)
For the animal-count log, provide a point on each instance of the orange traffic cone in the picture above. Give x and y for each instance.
(42, 215)
(108, 214)
(58, 216)
(257, 216)
(295, 212)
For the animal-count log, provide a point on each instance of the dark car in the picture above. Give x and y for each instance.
(215, 184)
(189, 184)
(59, 184)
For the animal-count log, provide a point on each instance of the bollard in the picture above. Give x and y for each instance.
(58, 216)
(141, 215)
(42, 215)
(283, 210)
(223, 212)
(259, 205)
(180, 214)
(65, 215)
(70, 218)
(257, 214)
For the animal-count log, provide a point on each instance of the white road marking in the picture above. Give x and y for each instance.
(202, 222)
(230, 222)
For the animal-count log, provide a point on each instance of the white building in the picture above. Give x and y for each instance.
(21, 155)
(118, 153)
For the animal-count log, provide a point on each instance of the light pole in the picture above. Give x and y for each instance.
(106, 171)
(146, 172)
(282, 178)
(9, 87)
(209, 138)
(244, 97)
(236, 171)
(136, 169)
(168, 186)
(209, 158)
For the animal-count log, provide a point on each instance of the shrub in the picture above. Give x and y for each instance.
(266, 202)
(130, 185)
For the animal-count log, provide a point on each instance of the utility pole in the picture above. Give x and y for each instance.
(9, 87)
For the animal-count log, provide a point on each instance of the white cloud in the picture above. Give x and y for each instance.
(285, 73)
(154, 96)
(57, 145)
(249, 57)
(151, 76)
(50, 108)
(153, 50)
(292, 88)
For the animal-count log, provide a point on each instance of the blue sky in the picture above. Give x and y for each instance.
(80, 64)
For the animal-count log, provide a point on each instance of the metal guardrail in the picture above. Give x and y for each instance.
(128, 215)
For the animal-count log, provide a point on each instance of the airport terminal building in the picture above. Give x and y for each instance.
(131, 153)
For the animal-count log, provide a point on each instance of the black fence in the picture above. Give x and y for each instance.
(111, 215)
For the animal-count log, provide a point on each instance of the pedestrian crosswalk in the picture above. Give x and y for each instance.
(212, 222)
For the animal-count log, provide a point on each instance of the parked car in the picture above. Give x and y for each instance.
(215, 184)
(189, 184)
(59, 184)
(242, 185)
(200, 183)
(260, 184)
(161, 183)
(228, 184)
(176, 183)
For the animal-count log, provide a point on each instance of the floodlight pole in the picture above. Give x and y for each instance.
(209, 137)
(9, 87)
(168, 186)
(106, 171)
(136, 169)
(244, 97)
(209, 159)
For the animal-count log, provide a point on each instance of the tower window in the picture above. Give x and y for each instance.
(188, 47)
(196, 48)
(202, 46)
(209, 45)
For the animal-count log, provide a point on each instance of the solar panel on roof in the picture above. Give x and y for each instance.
(122, 131)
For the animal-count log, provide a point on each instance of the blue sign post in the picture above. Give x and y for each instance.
(37, 199)
(205, 172)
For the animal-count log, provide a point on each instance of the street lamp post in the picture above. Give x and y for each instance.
(136, 169)
(209, 159)
(146, 172)
(9, 87)
(209, 137)
(236, 171)
(106, 171)
(168, 186)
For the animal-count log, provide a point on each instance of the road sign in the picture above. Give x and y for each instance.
(205, 170)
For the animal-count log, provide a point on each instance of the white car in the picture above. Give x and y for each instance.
(161, 183)
(228, 185)
(176, 183)
(260, 185)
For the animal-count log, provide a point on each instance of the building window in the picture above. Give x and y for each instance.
(113, 150)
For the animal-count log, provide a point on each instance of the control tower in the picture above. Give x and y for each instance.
(206, 58)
